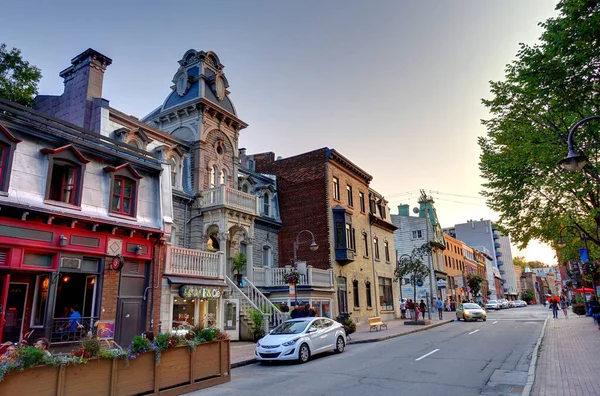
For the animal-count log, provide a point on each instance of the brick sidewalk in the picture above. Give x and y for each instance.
(568, 358)
(242, 353)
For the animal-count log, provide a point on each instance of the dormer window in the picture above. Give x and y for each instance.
(174, 173)
(266, 204)
(65, 175)
(8, 145)
(124, 190)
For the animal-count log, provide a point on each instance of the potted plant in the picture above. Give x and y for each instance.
(291, 277)
(238, 264)
(258, 322)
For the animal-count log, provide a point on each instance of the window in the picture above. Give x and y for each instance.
(418, 234)
(245, 188)
(386, 248)
(336, 188)
(386, 297)
(123, 193)
(266, 204)
(361, 198)
(355, 292)
(64, 182)
(173, 165)
(8, 145)
(214, 177)
(4, 166)
(369, 297)
(40, 298)
(349, 237)
(267, 256)
(223, 177)
(365, 244)
(376, 247)
(342, 296)
(349, 191)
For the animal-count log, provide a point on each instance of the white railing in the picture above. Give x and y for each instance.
(181, 261)
(273, 277)
(229, 197)
(264, 304)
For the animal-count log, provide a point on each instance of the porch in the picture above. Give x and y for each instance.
(273, 277)
(192, 262)
(224, 196)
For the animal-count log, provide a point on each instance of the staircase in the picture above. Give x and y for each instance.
(252, 298)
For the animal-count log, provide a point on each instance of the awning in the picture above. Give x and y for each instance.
(195, 281)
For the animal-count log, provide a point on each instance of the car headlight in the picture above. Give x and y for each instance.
(258, 343)
(291, 342)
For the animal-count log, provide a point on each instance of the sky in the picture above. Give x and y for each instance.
(394, 85)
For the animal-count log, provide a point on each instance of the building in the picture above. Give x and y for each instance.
(325, 198)
(485, 234)
(80, 231)
(455, 263)
(414, 232)
(518, 273)
(529, 282)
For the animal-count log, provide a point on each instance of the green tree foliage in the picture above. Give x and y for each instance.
(521, 262)
(549, 87)
(528, 296)
(18, 79)
(474, 282)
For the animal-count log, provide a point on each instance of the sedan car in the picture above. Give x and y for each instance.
(299, 339)
(513, 304)
(492, 304)
(470, 311)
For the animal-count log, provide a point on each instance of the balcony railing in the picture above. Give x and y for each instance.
(273, 277)
(230, 198)
(501, 272)
(496, 236)
(497, 245)
(499, 262)
(498, 254)
(191, 262)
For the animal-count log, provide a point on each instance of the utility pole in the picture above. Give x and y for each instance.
(426, 200)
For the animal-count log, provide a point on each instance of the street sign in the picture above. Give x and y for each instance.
(441, 283)
(420, 283)
(292, 290)
(583, 255)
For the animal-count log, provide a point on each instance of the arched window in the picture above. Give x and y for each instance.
(266, 204)
(134, 143)
(174, 172)
(223, 177)
(214, 175)
(267, 256)
(213, 243)
(245, 188)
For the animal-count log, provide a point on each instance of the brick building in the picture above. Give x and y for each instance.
(454, 264)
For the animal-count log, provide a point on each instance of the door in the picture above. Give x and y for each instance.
(4, 281)
(231, 318)
(14, 312)
(89, 296)
(316, 337)
(328, 333)
(130, 314)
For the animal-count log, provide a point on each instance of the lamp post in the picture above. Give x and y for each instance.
(313, 247)
(574, 161)
(562, 243)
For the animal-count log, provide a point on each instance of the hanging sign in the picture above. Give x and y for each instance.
(189, 291)
(420, 283)
(441, 283)
(116, 263)
(292, 290)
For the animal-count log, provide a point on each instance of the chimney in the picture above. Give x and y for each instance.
(403, 210)
(81, 101)
(263, 162)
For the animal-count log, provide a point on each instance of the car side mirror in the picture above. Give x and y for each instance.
(311, 330)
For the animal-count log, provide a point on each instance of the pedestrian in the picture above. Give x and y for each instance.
(422, 308)
(43, 344)
(440, 308)
(403, 309)
(309, 311)
(411, 309)
(563, 305)
(296, 313)
(554, 305)
(595, 310)
(448, 306)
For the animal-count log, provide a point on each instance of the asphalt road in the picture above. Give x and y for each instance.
(474, 358)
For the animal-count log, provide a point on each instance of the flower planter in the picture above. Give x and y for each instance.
(180, 371)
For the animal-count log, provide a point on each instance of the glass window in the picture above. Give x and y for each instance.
(64, 182)
(214, 175)
(355, 292)
(266, 204)
(350, 200)
(40, 297)
(184, 313)
(336, 188)
(386, 248)
(173, 165)
(342, 295)
(386, 298)
(348, 236)
(376, 247)
(417, 234)
(267, 256)
(245, 188)
(3, 164)
(361, 197)
(339, 233)
(223, 177)
(365, 244)
(369, 297)
(38, 260)
(122, 196)
(322, 307)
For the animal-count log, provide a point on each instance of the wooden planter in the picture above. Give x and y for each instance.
(180, 371)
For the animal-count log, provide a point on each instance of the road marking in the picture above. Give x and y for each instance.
(427, 354)
(495, 322)
(473, 332)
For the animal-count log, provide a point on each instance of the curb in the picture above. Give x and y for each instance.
(531, 373)
(400, 334)
(253, 360)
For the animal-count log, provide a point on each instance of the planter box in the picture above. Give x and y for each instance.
(180, 371)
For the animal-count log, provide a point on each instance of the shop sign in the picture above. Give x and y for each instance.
(441, 283)
(189, 291)
(292, 290)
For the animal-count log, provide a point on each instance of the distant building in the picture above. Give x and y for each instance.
(518, 273)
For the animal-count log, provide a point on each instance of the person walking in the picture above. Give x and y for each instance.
(422, 308)
(440, 307)
(554, 305)
(563, 305)
(411, 309)
(403, 309)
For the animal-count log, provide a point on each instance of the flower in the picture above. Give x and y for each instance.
(292, 277)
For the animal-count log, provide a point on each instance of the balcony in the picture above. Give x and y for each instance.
(499, 262)
(497, 245)
(496, 236)
(494, 228)
(505, 290)
(501, 272)
(503, 281)
(273, 277)
(191, 262)
(224, 196)
(498, 254)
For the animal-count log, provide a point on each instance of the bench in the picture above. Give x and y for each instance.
(376, 323)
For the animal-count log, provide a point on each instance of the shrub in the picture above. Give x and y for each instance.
(258, 322)
(140, 344)
(91, 345)
(579, 309)
(30, 356)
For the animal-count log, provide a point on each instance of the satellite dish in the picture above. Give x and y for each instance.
(415, 210)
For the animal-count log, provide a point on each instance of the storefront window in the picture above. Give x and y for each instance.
(40, 297)
(192, 312)
(323, 307)
(386, 299)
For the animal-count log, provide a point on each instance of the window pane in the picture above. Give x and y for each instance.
(127, 205)
(39, 304)
(128, 189)
(117, 186)
(116, 203)
(38, 260)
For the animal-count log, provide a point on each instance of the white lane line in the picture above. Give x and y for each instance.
(427, 354)
(495, 322)
(473, 332)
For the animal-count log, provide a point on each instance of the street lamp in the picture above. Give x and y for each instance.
(574, 161)
(313, 246)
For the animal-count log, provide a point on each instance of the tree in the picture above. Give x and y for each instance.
(412, 267)
(548, 88)
(474, 282)
(528, 296)
(18, 79)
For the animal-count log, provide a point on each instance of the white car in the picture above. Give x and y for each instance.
(492, 304)
(504, 303)
(299, 339)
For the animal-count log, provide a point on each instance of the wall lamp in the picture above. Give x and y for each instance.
(63, 241)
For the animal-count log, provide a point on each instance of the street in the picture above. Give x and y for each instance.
(489, 358)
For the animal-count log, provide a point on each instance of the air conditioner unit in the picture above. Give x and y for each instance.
(70, 262)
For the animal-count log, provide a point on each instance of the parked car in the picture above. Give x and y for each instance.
(524, 303)
(299, 339)
(513, 304)
(492, 304)
(504, 303)
(470, 311)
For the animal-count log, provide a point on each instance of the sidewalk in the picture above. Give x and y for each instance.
(242, 353)
(568, 358)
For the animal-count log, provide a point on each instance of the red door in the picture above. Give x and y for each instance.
(4, 282)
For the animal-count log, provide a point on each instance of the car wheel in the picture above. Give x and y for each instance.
(464, 318)
(304, 353)
(457, 318)
(340, 345)
(484, 319)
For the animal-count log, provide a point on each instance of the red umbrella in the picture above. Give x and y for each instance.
(584, 290)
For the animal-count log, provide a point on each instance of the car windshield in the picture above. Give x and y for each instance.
(471, 306)
(291, 327)
(492, 302)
